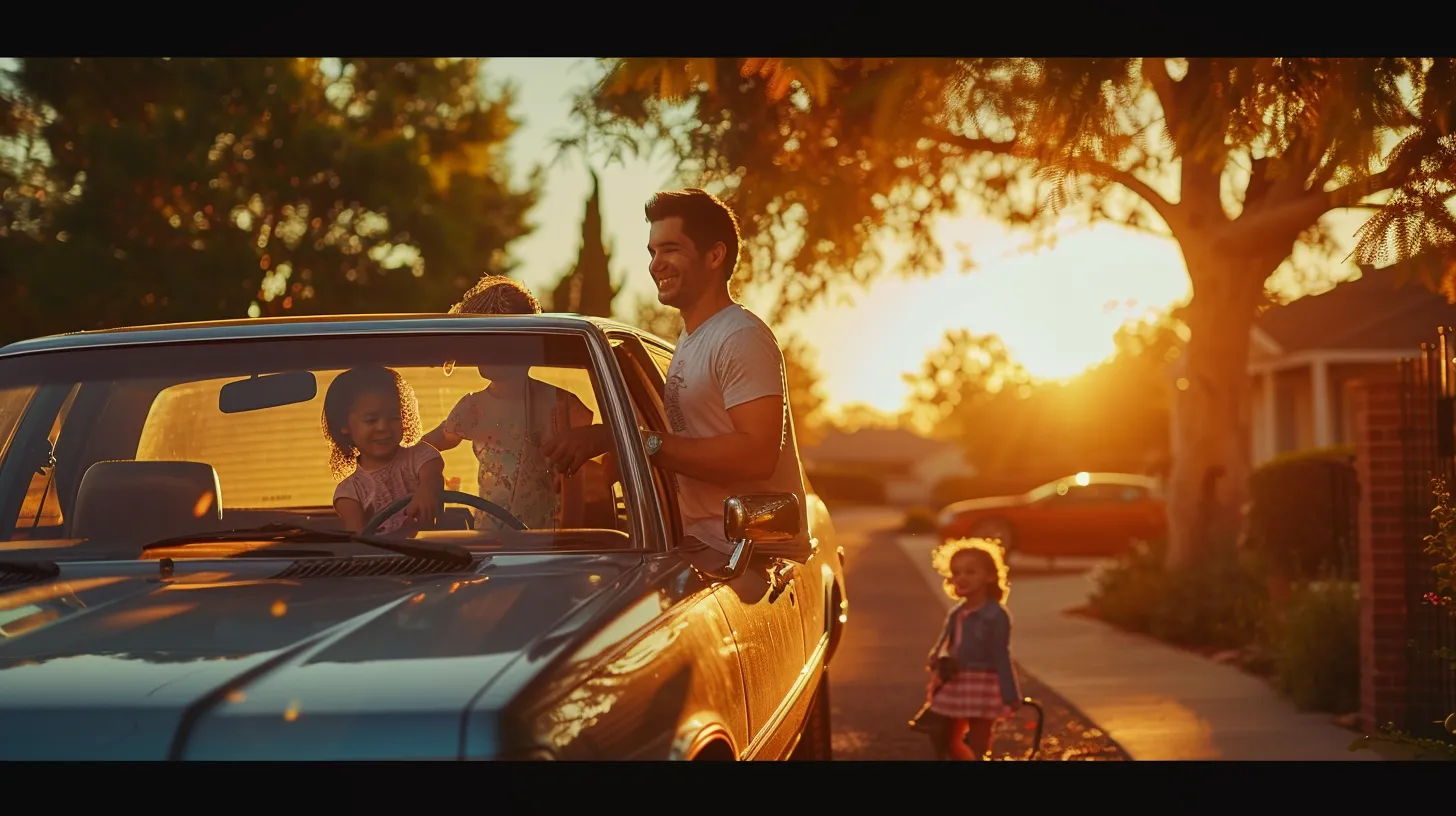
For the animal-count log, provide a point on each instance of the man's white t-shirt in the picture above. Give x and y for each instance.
(732, 358)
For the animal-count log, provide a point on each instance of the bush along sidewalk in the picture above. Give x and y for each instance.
(1389, 741)
(1281, 602)
(1220, 606)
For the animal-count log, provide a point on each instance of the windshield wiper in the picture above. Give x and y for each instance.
(293, 533)
(45, 569)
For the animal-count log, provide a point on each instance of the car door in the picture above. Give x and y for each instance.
(1092, 520)
(1064, 523)
(762, 606)
(1124, 513)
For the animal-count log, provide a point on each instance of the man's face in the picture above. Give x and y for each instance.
(681, 270)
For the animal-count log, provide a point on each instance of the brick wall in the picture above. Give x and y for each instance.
(1376, 414)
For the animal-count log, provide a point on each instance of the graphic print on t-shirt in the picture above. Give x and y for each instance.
(675, 416)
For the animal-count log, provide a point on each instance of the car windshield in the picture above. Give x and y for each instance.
(105, 450)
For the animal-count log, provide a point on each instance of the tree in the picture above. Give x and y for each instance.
(958, 377)
(587, 288)
(186, 189)
(1021, 432)
(663, 321)
(1237, 160)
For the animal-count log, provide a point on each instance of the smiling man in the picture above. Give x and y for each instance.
(726, 390)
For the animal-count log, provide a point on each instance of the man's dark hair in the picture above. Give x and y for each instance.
(706, 220)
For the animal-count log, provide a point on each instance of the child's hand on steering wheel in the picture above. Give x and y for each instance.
(424, 507)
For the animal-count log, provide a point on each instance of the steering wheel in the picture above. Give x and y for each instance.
(446, 496)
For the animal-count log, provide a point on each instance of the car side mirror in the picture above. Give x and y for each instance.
(756, 520)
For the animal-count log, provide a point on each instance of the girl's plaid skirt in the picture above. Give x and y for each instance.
(971, 695)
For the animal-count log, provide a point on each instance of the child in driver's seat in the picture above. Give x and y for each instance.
(372, 422)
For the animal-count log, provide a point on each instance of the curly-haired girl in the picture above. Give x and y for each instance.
(372, 422)
(972, 682)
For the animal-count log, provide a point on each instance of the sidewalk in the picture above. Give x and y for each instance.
(1156, 701)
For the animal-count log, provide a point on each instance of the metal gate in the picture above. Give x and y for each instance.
(1428, 443)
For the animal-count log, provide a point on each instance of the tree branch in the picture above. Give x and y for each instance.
(1155, 71)
(1165, 209)
(1287, 216)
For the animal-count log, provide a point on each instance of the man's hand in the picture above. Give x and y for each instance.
(424, 507)
(569, 450)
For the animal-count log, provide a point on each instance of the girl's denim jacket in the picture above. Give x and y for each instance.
(984, 645)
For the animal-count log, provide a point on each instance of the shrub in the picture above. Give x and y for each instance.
(1318, 655)
(1216, 601)
(1302, 513)
(1128, 592)
(919, 520)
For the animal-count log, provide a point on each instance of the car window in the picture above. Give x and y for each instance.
(40, 509)
(646, 391)
(661, 356)
(125, 407)
(185, 424)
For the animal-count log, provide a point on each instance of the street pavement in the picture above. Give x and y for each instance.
(1117, 695)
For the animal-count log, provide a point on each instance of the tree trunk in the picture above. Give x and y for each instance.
(1210, 437)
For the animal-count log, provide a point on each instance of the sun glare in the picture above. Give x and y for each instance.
(1056, 311)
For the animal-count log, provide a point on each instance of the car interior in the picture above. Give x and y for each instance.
(143, 460)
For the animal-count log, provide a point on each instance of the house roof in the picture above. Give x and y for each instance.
(869, 445)
(1374, 311)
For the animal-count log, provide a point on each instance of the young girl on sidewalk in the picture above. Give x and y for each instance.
(972, 682)
(372, 422)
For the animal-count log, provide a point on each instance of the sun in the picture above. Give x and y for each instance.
(1056, 311)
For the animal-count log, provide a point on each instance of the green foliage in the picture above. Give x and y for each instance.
(587, 287)
(1442, 544)
(1302, 513)
(1216, 601)
(848, 149)
(1317, 660)
(172, 189)
(919, 520)
(1392, 743)
(1021, 433)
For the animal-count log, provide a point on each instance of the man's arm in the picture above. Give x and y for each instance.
(750, 371)
(749, 368)
(749, 453)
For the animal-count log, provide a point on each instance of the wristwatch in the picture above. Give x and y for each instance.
(651, 441)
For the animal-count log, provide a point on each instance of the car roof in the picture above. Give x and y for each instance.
(1114, 478)
(310, 326)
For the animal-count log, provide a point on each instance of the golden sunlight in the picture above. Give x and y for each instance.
(1056, 310)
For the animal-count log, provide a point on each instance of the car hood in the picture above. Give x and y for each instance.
(264, 660)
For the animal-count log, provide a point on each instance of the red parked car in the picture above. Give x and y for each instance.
(1087, 514)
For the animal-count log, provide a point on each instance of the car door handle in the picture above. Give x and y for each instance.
(783, 576)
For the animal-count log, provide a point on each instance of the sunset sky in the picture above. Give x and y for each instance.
(1056, 310)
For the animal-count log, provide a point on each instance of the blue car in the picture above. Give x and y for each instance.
(176, 584)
